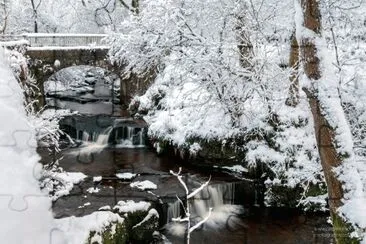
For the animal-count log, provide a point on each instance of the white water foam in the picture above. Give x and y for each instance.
(219, 197)
(95, 142)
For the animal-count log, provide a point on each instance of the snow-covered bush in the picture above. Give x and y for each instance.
(45, 122)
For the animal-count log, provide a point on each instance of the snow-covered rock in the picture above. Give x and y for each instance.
(131, 206)
(126, 176)
(144, 185)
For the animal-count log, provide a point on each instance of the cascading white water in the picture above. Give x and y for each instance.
(85, 136)
(103, 137)
(173, 210)
(141, 138)
(130, 137)
(212, 197)
(123, 137)
(219, 197)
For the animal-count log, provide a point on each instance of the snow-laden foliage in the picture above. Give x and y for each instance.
(62, 16)
(59, 183)
(221, 75)
(45, 122)
(199, 74)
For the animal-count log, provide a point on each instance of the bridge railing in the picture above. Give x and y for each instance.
(64, 40)
(57, 39)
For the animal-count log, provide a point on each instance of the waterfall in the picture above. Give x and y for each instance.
(173, 210)
(220, 197)
(215, 197)
(124, 136)
(85, 136)
(103, 137)
(129, 137)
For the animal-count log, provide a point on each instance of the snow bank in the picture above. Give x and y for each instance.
(24, 208)
(77, 229)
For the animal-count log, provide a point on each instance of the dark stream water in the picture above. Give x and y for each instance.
(108, 142)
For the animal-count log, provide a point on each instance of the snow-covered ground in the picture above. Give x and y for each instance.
(24, 208)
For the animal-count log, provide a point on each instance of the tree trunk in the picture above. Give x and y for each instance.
(245, 46)
(325, 134)
(293, 96)
(5, 13)
(35, 16)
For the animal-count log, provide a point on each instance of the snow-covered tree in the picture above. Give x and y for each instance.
(64, 16)
(220, 75)
(333, 134)
(4, 13)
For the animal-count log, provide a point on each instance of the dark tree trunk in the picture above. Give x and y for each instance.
(135, 6)
(35, 16)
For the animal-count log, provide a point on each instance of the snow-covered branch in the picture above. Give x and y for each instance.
(201, 222)
(186, 206)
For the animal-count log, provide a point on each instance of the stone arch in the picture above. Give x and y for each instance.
(43, 63)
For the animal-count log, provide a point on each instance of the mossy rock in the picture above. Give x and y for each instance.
(217, 150)
(164, 147)
(127, 232)
(144, 232)
(115, 233)
(282, 196)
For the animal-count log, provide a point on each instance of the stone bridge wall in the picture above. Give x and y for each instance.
(43, 63)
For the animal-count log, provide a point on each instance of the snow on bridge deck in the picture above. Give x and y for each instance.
(55, 41)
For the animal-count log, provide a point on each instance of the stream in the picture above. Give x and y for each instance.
(108, 143)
